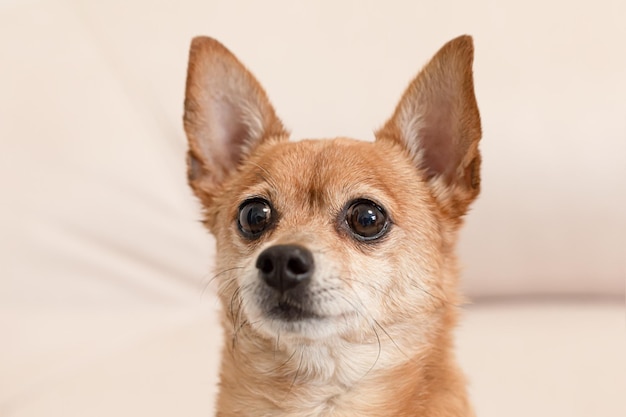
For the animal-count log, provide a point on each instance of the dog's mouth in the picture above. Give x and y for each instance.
(287, 310)
(301, 314)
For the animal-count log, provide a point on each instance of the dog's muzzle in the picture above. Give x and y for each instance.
(287, 271)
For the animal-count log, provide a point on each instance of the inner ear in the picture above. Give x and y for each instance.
(233, 134)
(439, 153)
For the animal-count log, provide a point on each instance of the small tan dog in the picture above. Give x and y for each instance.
(335, 258)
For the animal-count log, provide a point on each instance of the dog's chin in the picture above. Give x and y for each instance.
(319, 328)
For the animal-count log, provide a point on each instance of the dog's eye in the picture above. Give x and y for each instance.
(366, 220)
(254, 217)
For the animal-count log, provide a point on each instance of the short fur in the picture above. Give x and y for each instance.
(382, 345)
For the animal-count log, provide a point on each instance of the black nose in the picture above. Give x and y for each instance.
(283, 267)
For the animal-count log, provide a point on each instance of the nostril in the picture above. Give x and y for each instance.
(297, 266)
(266, 265)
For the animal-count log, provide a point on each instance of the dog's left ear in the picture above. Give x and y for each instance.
(438, 123)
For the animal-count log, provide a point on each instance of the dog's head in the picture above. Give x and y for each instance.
(332, 238)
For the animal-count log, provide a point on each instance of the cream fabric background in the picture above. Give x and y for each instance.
(104, 304)
(95, 207)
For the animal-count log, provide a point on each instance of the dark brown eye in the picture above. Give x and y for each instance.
(255, 216)
(366, 220)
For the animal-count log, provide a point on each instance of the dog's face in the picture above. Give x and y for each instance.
(320, 239)
(327, 236)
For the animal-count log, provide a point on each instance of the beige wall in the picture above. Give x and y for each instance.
(95, 207)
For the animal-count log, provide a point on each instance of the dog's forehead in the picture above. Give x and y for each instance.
(319, 165)
(326, 173)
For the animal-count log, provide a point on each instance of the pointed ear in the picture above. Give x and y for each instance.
(227, 114)
(438, 123)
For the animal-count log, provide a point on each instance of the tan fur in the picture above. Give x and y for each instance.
(383, 346)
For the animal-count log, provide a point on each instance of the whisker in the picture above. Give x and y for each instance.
(380, 348)
(285, 362)
(236, 315)
(433, 296)
(321, 251)
(295, 377)
(267, 177)
(234, 297)
(236, 333)
(277, 343)
(392, 340)
(412, 282)
(216, 275)
(241, 302)
(224, 286)
(368, 316)
(368, 284)
(238, 324)
(381, 327)
(227, 286)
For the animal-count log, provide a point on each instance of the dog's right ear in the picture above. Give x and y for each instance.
(227, 114)
(437, 122)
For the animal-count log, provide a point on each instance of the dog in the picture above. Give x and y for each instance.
(335, 261)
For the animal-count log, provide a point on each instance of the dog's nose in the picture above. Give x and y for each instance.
(284, 267)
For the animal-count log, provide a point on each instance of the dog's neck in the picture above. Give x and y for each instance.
(395, 374)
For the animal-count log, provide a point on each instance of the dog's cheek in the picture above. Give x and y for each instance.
(414, 259)
(232, 260)
(367, 281)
